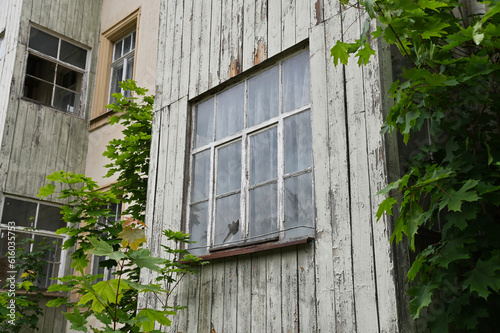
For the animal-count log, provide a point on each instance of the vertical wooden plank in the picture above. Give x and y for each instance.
(166, 70)
(289, 294)
(236, 39)
(194, 74)
(186, 48)
(215, 45)
(248, 34)
(273, 268)
(274, 27)
(70, 18)
(339, 185)
(317, 12)
(81, 31)
(204, 323)
(260, 31)
(377, 81)
(160, 61)
(259, 293)
(306, 288)
(230, 295)
(57, 17)
(245, 276)
(303, 21)
(36, 11)
(36, 144)
(193, 305)
(219, 305)
(16, 150)
(362, 238)
(226, 47)
(288, 23)
(325, 287)
(177, 49)
(180, 323)
(23, 184)
(206, 17)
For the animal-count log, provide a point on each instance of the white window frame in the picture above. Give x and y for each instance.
(243, 136)
(2, 44)
(124, 60)
(6, 228)
(94, 270)
(80, 104)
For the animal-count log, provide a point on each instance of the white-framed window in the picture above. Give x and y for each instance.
(98, 264)
(122, 67)
(55, 71)
(2, 46)
(251, 161)
(37, 221)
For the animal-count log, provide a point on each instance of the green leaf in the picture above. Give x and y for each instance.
(47, 190)
(364, 54)
(132, 236)
(454, 198)
(57, 302)
(154, 316)
(386, 207)
(422, 297)
(339, 52)
(77, 321)
(484, 277)
(477, 35)
(143, 259)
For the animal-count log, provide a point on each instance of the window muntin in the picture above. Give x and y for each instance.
(55, 71)
(42, 220)
(251, 161)
(122, 66)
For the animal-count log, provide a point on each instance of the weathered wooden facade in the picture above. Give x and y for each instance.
(346, 278)
(45, 96)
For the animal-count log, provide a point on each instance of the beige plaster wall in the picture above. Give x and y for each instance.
(113, 11)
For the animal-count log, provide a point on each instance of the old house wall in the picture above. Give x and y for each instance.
(343, 280)
(38, 140)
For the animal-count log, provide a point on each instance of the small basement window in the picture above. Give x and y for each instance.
(54, 72)
(251, 161)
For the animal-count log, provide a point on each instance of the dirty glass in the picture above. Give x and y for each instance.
(227, 226)
(49, 218)
(68, 78)
(230, 109)
(296, 82)
(298, 142)
(263, 219)
(263, 97)
(66, 100)
(43, 42)
(204, 123)
(40, 68)
(298, 205)
(229, 168)
(73, 54)
(198, 227)
(264, 156)
(200, 176)
(23, 213)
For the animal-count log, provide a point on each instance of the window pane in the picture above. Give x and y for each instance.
(1, 46)
(229, 168)
(51, 247)
(118, 50)
(204, 123)
(68, 78)
(264, 156)
(73, 54)
(21, 212)
(43, 42)
(49, 218)
(126, 44)
(66, 100)
(40, 68)
(198, 226)
(116, 77)
(38, 90)
(129, 74)
(263, 219)
(263, 97)
(230, 108)
(298, 155)
(298, 206)
(227, 226)
(296, 82)
(133, 41)
(4, 248)
(200, 177)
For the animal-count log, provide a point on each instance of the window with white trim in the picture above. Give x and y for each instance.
(251, 161)
(102, 264)
(39, 222)
(122, 67)
(2, 47)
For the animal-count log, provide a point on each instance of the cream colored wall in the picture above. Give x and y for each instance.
(113, 11)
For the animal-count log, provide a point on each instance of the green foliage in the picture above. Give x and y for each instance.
(93, 229)
(449, 92)
(29, 267)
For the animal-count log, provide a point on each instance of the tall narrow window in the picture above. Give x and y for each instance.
(37, 222)
(251, 161)
(122, 67)
(54, 72)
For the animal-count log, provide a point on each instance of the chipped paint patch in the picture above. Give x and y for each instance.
(260, 53)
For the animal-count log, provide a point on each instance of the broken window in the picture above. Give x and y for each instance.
(37, 222)
(54, 71)
(251, 161)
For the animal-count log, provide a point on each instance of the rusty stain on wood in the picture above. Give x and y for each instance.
(260, 53)
(234, 67)
(318, 6)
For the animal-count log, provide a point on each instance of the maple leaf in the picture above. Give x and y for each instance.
(132, 237)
